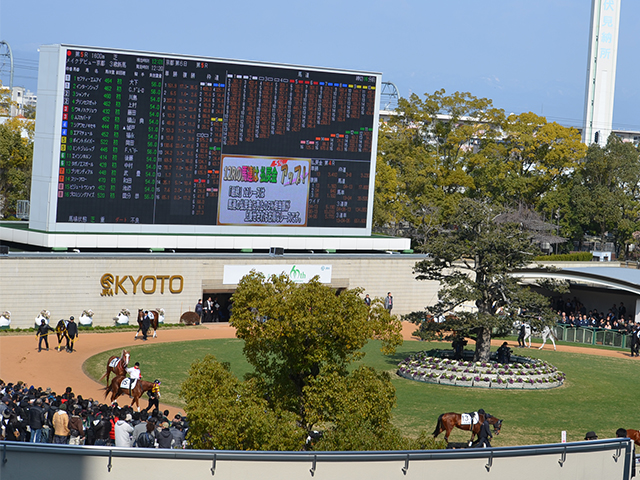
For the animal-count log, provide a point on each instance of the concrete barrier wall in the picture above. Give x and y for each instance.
(604, 459)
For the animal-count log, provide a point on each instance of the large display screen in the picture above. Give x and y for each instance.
(156, 139)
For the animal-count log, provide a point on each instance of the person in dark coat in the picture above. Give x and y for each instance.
(36, 421)
(521, 335)
(10, 426)
(101, 428)
(146, 324)
(485, 434)
(199, 309)
(72, 334)
(634, 331)
(164, 436)
(43, 334)
(504, 353)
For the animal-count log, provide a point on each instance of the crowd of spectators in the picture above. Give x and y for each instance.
(30, 414)
(574, 313)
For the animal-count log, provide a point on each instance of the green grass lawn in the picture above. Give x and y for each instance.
(599, 393)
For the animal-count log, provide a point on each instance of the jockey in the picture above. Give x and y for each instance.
(134, 372)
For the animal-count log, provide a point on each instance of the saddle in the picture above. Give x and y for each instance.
(128, 383)
(114, 362)
(469, 418)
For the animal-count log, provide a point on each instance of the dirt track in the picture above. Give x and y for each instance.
(20, 359)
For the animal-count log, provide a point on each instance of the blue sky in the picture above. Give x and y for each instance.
(525, 55)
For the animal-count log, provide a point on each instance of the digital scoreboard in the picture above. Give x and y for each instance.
(147, 142)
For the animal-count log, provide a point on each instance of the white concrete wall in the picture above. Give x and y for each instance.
(65, 284)
(607, 459)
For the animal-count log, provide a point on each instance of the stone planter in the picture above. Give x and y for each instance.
(160, 319)
(5, 322)
(432, 368)
(85, 321)
(122, 319)
(482, 384)
(546, 386)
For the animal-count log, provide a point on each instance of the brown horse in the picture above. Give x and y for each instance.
(135, 393)
(447, 421)
(190, 318)
(154, 315)
(117, 365)
(634, 435)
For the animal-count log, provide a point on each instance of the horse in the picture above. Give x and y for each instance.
(634, 435)
(135, 393)
(548, 333)
(447, 421)
(190, 318)
(117, 365)
(154, 315)
(61, 333)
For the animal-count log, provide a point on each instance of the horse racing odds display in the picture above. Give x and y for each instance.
(157, 140)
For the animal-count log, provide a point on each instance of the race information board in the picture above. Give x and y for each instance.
(154, 139)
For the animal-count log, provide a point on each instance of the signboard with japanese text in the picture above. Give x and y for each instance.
(298, 273)
(263, 191)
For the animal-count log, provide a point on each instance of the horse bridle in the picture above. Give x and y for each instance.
(125, 360)
(497, 426)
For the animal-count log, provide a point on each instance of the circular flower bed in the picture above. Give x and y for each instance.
(522, 373)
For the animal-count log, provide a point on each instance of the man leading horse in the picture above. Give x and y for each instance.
(474, 421)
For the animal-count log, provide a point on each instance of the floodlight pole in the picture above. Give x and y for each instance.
(10, 55)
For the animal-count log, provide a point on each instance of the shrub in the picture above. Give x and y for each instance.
(566, 257)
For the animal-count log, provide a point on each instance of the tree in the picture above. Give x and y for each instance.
(300, 340)
(435, 151)
(225, 413)
(424, 154)
(472, 257)
(531, 159)
(16, 154)
(605, 194)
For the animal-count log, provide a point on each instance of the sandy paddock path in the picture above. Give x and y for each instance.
(20, 359)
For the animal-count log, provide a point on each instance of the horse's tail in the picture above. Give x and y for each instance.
(439, 428)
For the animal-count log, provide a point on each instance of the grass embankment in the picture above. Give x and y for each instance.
(599, 393)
